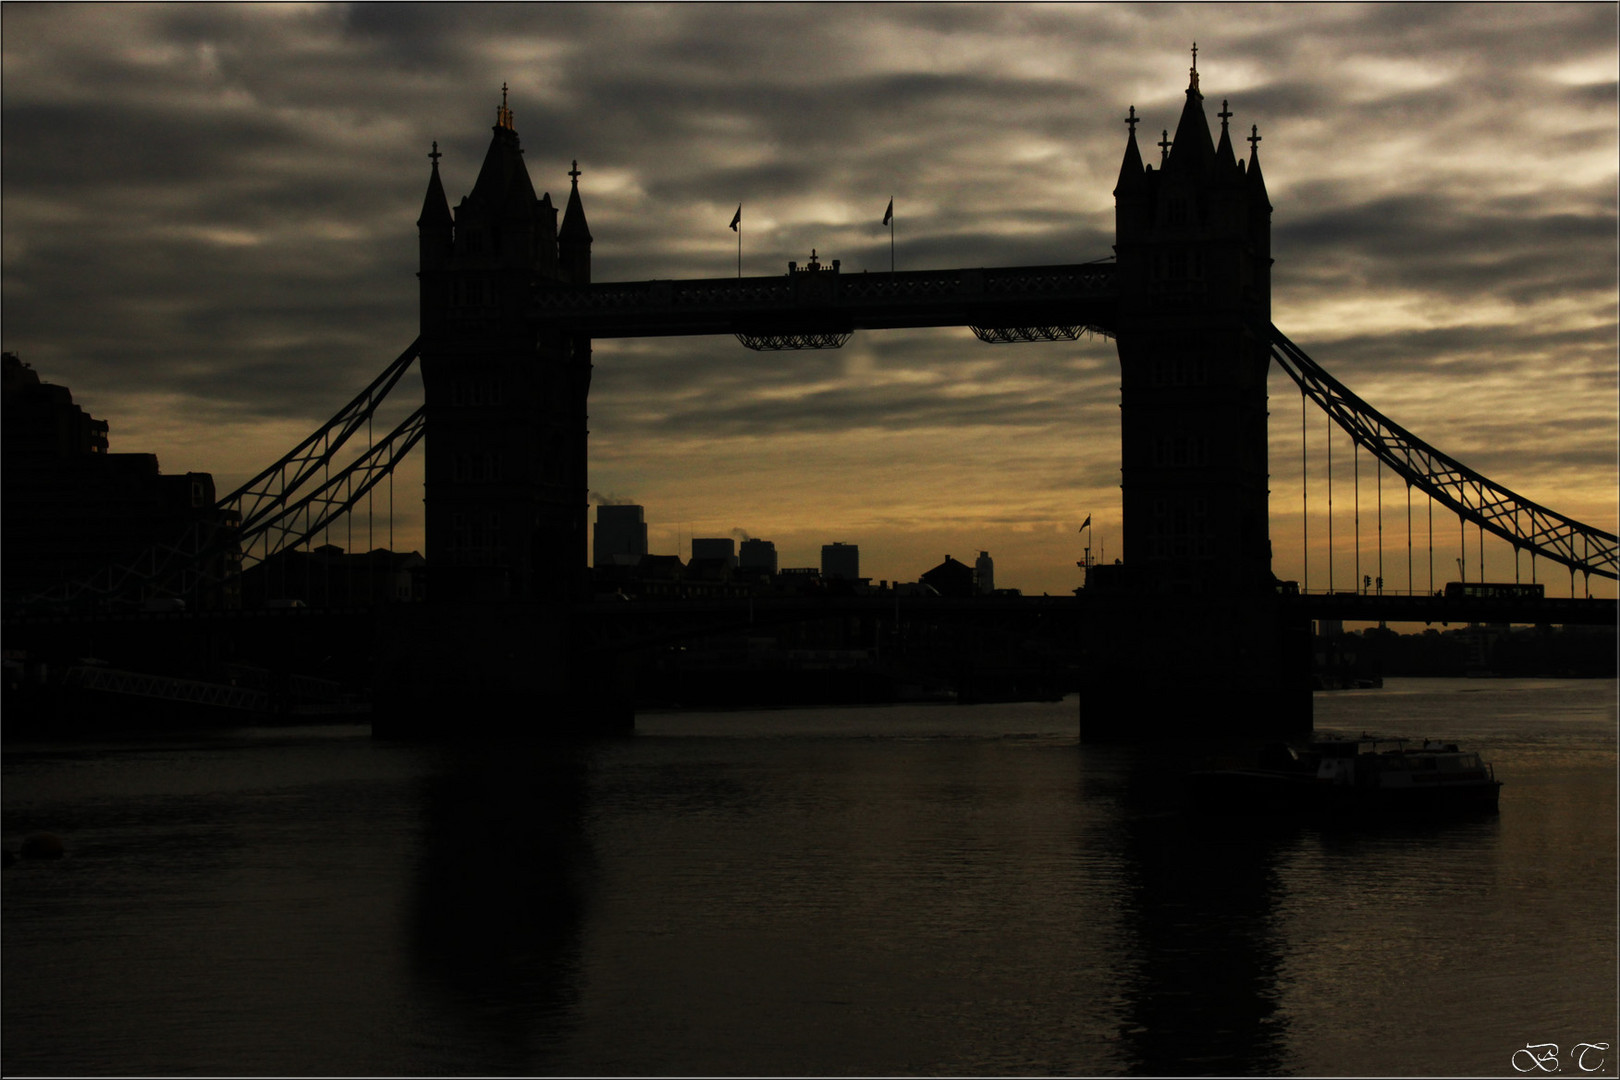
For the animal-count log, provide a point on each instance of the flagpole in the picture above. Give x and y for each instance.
(739, 249)
(891, 237)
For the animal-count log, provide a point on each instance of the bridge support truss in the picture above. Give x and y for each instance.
(1527, 525)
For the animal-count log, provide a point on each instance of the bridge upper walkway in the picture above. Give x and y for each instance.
(827, 301)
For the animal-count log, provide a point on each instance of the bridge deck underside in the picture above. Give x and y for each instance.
(1079, 295)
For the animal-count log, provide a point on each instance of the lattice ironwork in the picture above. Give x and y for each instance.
(136, 684)
(204, 554)
(1524, 524)
(1014, 335)
(265, 495)
(277, 509)
(789, 342)
(295, 522)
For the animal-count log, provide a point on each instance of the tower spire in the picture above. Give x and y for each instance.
(1194, 83)
(503, 115)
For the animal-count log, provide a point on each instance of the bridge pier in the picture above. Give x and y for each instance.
(474, 671)
(1194, 667)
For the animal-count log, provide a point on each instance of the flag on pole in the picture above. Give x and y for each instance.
(736, 219)
(1086, 522)
(888, 215)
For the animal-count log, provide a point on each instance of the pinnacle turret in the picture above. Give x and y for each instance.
(1225, 161)
(1131, 176)
(574, 236)
(435, 206)
(1256, 182)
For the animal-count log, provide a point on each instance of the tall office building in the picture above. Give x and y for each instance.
(984, 573)
(758, 555)
(723, 547)
(841, 561)
(621, 536)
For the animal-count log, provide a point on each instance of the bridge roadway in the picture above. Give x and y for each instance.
(628, 625)
(826, 300)
(1442, 610)
(706, 614)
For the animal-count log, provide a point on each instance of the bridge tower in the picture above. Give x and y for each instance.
(1193, 246)
(1193, 609)
(506, 500)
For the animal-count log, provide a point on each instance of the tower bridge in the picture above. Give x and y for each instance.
(509, 311)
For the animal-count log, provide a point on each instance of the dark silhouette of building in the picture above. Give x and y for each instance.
(723, 548)
(1193, 242)
(984, 574)
(950, 578)
(72, 509)
(621, 536)
(506, 501)
(841, 560)
(757, 555)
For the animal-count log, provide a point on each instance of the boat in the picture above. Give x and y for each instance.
(1350, 776)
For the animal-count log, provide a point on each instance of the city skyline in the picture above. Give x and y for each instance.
(210, 239)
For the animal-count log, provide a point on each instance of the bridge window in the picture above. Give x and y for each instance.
(1176, 210)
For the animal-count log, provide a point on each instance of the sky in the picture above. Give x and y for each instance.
(208, 223)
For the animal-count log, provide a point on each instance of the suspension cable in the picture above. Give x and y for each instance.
(1379, 465)
(1462, 548)
(1409, 582)
(1431, 547)
(1330, 505)
(1355, 475)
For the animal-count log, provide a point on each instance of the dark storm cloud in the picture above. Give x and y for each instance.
(1420, 241)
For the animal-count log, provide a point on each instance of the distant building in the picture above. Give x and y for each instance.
(71, 509)
(718, 548)
(841, 561)
(950, 578)
(758, 555)
(329, 577)
(984, 573)
(621, 536)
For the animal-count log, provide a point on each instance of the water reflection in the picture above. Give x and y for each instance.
(1201, 943)
(502, 890)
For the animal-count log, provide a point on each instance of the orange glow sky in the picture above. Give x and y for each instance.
(209, 237)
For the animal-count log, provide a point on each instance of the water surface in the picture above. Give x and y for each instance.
(928, 889)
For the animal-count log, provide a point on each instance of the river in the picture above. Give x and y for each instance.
(901, 890)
